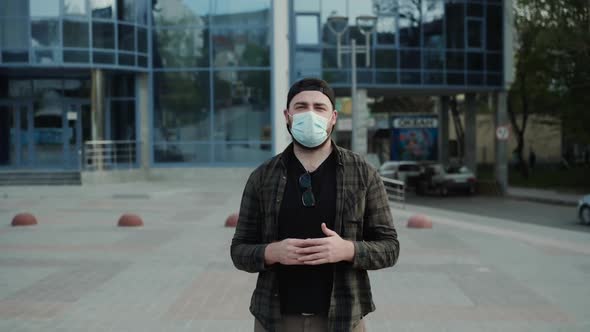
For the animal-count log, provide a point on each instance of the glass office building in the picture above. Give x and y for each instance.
(203, 82)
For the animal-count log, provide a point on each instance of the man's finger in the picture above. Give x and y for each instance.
(300, 243)
(315, 242)
(328, 231)
(312, 257)
(310, 250)
(317, 261)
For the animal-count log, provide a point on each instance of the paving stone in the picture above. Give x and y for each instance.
(77, 271)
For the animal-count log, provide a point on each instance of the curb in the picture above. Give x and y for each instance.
(554, 201)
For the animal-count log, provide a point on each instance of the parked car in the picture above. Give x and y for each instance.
(584, 210)
(442, 180)
(406, 171)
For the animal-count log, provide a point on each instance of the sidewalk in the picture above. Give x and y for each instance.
(77, 271)
(543, 196)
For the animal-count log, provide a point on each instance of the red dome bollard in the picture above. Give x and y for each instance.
(24, 219)
(419, 221)
(232, 220)
(130, 220)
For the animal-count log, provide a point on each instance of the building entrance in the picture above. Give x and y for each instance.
(46, 138)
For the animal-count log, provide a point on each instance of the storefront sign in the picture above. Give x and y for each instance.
(414, 137)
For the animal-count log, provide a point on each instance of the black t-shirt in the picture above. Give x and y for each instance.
(305, 288)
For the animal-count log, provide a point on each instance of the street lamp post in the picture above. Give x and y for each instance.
(366, 25)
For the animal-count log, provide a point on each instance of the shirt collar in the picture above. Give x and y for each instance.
(288, 153)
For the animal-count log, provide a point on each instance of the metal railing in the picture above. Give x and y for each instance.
(396, 190)
(109, 155)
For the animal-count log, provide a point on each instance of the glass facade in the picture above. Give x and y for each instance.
(416, 43)
(74, 33)
(209, 66)
(212, 69)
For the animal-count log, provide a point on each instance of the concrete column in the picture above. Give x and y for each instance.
(360, 121)
(501, 146)
(470, 132)
(280, 74)
(98, 110)
(443, 127)
(509, 46)
(142, 81)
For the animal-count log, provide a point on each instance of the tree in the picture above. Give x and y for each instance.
(552, 70)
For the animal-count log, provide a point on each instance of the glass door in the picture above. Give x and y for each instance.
(9, 133)
(78, 130)
(72, 147)
(49, 133)
(16, 149)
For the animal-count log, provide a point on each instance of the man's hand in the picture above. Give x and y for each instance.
(330, 249)
(284, 252)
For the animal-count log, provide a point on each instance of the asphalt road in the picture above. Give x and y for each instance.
(551, 215)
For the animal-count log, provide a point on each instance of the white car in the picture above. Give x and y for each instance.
(406, 171)
(442, 179)
(584, 210)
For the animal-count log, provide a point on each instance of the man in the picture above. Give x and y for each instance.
(312, 221)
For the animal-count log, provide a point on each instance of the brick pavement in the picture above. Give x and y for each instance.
(77, 271)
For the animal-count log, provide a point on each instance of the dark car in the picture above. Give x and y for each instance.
(436, 178)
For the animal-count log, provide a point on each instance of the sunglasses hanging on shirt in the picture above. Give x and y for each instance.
(307, 197)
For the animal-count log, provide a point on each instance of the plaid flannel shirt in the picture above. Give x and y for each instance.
(362, 216)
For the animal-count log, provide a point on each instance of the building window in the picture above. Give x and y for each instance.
(104, 9)
(307, 30)
(44, 33)
(182, 13)
(75, 33)
(126, 37)
(44, 8)
(455, 24)
(455, 60)
(75, 8)
(386, 58)
(240, 47)
(494, 28)
(474, 33)
(307, 5)
(242, 116)
(434, 60)
(126, 10)
(234, 12)
(181, 47)
(432, 23)
(410, 59)
(410, 24)
(386, 30)
(475, 61)
(103, 35)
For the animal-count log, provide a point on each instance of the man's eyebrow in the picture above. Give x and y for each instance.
(304, 103)
(301, 103)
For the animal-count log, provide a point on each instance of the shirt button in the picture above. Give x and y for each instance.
(278, 200)
(275, 294)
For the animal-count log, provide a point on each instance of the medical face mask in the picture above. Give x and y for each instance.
(309, 129)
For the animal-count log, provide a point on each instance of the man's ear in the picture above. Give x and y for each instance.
(335, 117)
(286, 114)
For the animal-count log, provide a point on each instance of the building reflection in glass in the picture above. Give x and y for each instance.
(212, 85)
(417, 42)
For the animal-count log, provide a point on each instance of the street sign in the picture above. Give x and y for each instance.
(502, 133)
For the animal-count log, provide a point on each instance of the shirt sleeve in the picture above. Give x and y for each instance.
(380, 246)
(247, 249)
